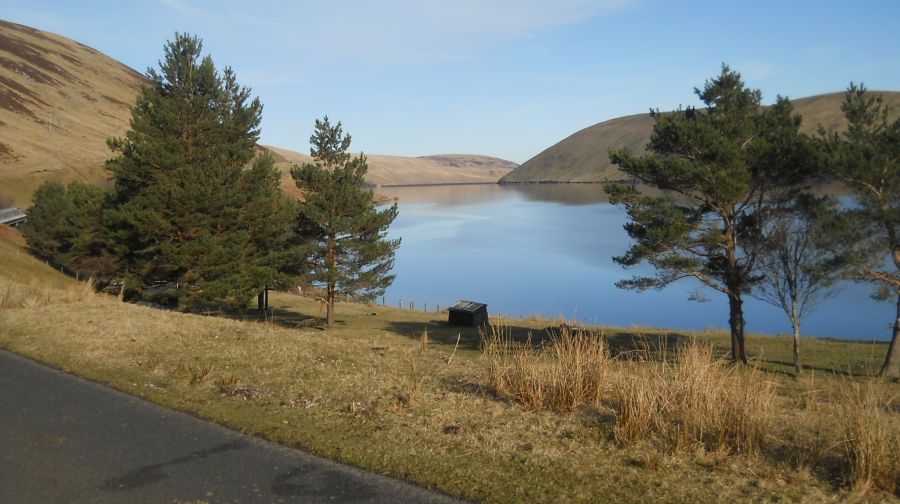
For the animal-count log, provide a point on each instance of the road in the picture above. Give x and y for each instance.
(64, 439)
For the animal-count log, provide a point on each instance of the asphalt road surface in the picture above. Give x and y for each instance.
(67, 440)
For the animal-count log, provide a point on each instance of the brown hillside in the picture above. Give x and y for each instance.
(59, 102)
(426, 170)
(582, 157)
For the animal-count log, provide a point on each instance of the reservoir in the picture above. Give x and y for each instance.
(546, 250)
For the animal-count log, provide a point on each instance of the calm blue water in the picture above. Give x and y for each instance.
(547, 249)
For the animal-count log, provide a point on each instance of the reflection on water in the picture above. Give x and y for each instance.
(468, 194)
(546, 249)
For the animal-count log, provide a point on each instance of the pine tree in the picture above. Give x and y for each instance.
(64, 226)
(195, 206)
(865, 158)
(347, 249)
(724, 171)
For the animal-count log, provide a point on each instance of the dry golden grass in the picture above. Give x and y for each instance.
(871, 437)
(70, 100)
(696, 401)
(570, 371)
(400, 170)
(370, 393)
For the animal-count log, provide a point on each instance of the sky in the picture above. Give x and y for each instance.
(505, 78)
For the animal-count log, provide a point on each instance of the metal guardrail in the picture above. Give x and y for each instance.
(12, 216)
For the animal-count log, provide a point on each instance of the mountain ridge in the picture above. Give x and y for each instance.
(583, 155)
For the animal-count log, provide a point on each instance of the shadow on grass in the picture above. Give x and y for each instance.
(282, 317)
(439, 332)
(774, 366)
(623, 344)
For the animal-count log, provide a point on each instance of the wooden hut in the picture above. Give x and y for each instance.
(468, 313)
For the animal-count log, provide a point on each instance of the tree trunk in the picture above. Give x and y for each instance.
(329, 318)
(259, 304)
(891, 368)
(736, 322)
(795, 321)
(332, 275)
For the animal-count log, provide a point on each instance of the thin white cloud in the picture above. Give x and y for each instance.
(756, 70)
(389, 30)
(183, 7)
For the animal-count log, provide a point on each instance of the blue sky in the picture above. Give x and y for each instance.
(506, 78)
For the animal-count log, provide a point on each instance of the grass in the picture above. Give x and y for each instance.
(568, 373)
(695, 401)
(870, 437)
(371, 392)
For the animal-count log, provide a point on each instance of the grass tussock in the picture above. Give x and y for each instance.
(377, 393)
(695, 401)
(870, 433)
(35, 293)
(571, 370)
(193, 373)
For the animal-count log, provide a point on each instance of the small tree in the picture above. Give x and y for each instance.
(64, 226)
(798, 269)
(866, 158)
(348, 251)
(195, 205)
(724, 172)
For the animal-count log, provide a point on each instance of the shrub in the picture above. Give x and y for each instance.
(871, 438)
(697, 400)
(572, 370)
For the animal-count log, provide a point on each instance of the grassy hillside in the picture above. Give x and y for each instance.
(61, 100)
(582, 157)
(388, 390)
(399, 170)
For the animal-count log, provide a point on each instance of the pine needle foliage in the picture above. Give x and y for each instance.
(64, 227)
(196, 208)
(347, 249)
(866, 158)
(719, 174)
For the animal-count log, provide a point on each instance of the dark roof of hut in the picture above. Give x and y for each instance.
(468, 306)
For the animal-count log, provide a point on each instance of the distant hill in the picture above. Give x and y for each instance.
(426, 170)
(582, 157)
(60, 100)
